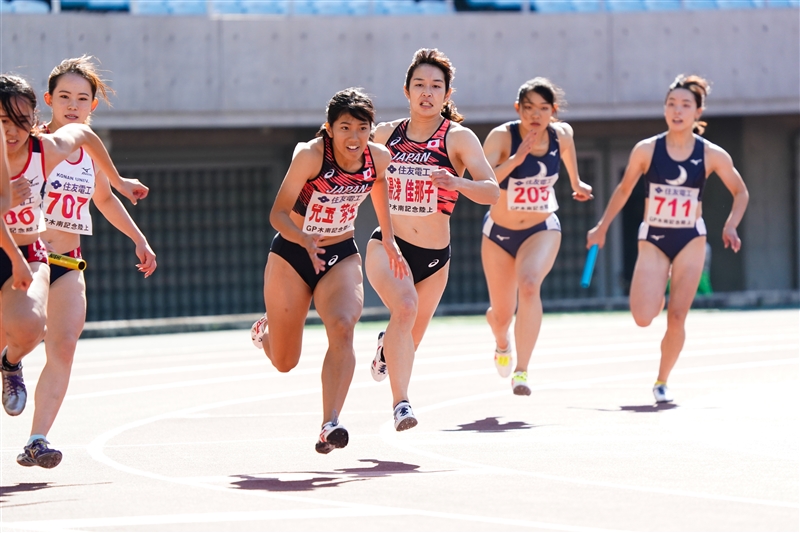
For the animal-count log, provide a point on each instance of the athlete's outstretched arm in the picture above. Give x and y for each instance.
(580, 191)
(20, 271)
(721, 163)
(637, 165)
(111, 208)
(306, 162)
(380, 201)
(482, 188)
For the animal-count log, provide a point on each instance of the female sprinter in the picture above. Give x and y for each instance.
(672, 237)
(32, 156)
(430, 152)
(314, 254)
(72, 94)
(12, 262)
(521, 232)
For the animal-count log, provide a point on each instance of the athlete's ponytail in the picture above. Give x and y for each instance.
(450, 112)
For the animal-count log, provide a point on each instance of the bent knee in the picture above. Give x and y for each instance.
(405, 309)
(643, 320)
(530, 286)
(341, 326)
(284, 365)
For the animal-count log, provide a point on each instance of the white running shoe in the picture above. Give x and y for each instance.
(403, 416)
(504, 361)
(333, 435)
(519, 384)
(662, 393)
(378, 366)
(258, 331)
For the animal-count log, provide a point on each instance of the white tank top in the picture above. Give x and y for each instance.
(27, 218)
(67, 193)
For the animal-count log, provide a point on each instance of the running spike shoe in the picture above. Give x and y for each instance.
(38, 453)
(503, 361)
(333, 435)
(662, 393)
(378, 367)
(403, 416)
(519, 383)
(257, 332)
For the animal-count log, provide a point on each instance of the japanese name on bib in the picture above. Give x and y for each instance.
(411, 191)
(669, 206)
(533, 194)
(332, 214)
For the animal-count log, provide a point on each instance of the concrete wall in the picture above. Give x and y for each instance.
(256, 71)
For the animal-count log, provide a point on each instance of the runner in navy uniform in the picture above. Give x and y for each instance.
(522, 233)
(430, 152)
(31, 159)
(314, 254)
(73, 87)
(672, 236)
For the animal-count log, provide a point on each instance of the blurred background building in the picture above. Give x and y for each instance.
(212, 95)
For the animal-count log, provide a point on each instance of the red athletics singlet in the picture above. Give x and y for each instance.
(330, 201)
(411, 191)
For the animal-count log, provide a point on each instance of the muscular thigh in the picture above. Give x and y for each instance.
(339, 295)
(649, 279)
(429, 293)
(537, 255)
(287, 298)
(66, 308)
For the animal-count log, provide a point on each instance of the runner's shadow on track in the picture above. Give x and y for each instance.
(492, 425)
(652, 408)
(20, 487)
(306, 481)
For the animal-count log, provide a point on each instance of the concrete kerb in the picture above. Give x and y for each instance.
(156, 326)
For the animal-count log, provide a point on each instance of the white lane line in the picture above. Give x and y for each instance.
(390, 436)
(96, 450)
(469, 357)
(293, 514)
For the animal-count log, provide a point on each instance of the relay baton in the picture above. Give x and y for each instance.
(588, 268)
(67, 261)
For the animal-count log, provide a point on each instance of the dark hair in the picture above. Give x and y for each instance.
(552, 94)
(353, 101)
(13, 88)
(700, 88)
(85, 68)
(433, 57)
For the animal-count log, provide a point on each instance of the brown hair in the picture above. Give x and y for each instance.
(433, 57)
(700, 88)
(353, 101)
(13, 88)
(552, 94)
(85, 68)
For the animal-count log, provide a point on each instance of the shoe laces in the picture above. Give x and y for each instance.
(521, 376)
(402, 409)
(14, 383)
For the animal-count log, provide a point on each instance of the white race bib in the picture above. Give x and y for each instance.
(532, 194)
(67, 193)
(670, 206)
(411, 191)
(332, 214)
(27, 218)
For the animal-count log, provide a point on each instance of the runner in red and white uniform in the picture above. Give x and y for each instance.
(73, 87)
(32, 157)
(13, 263)
(672, 238)
(522, 233)
(314, 254)
(430, 153)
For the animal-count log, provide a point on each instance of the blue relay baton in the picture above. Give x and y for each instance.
(588, 267)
